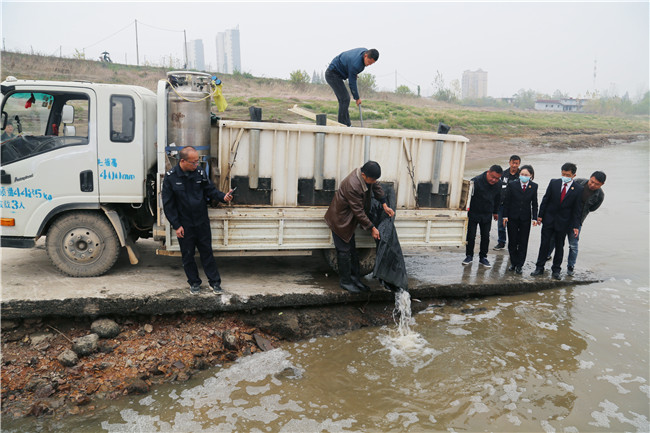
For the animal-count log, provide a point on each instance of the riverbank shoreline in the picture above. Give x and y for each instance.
(500, 148)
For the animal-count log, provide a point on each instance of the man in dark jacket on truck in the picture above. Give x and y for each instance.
(346, 66)
(349, 208)
(185, 191)
(483, 207)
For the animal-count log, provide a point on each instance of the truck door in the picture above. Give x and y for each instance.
(120, 149)
(48, 159)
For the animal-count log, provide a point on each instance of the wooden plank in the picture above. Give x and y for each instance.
(311, 115)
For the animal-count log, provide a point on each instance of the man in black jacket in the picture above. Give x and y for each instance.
(484, 206)
(559, 214)
(185, 191)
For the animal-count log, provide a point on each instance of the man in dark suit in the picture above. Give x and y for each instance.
(559, 215)
(519, 208)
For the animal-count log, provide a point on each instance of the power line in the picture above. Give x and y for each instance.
(107, 37)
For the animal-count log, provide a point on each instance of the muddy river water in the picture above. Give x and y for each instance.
(573, 359)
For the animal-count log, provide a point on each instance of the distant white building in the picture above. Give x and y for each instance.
(228, 54)
(564, 104)
(195, 55)
(474, 84)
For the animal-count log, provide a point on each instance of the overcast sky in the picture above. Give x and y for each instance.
(540, 46)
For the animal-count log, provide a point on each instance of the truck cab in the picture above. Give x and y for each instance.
(75, 164)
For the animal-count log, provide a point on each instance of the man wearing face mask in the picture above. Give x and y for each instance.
(185, 194)
(559, 214)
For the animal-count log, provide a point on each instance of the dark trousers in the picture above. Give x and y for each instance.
(518, 234)
(471, 236)
(342, 246)
(337, 84)
(547, 236)
(199, 237)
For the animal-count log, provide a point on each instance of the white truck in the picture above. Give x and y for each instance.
(85, 163)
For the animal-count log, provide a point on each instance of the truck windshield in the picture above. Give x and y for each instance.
(40, 122)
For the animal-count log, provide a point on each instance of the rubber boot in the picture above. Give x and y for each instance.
(356, 274)
(345, 268)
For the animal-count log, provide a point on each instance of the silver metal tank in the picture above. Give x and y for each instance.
(188, 110)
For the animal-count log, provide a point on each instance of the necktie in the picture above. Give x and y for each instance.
(523, 187)
(563, 193)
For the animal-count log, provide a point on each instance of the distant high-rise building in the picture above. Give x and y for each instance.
(228, 57)
(474, 84)
(195, 57)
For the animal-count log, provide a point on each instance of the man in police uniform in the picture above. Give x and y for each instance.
(185, 192)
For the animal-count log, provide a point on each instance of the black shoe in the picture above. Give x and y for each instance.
(549, 258)
(483, 261)
(500, 246)
(216, 288)
(569, 271)
(518, 270)
(357, 282)
(195, 289)
(468, 260)
(537, 272)
(355, 272)
(556, 276)
(512, 268)
(345, 269)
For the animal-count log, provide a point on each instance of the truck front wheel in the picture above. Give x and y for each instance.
(367, 258)
(82, 244)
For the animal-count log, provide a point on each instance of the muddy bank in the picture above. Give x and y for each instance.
(150, 350)
(489, 146)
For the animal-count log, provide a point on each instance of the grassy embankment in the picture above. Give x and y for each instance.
(380, 109)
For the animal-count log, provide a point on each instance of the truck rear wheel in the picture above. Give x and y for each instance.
(367, 258)
(82, 244)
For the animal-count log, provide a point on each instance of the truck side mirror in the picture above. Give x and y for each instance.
(67, 115)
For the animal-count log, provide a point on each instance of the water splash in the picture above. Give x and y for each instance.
(406, 347)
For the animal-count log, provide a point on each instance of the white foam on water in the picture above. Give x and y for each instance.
(549, 326)
(584, 365)
(621, 378)
(457, 319)
(511, 391)
(478, 406)
(432, 419)
(565, 347)
(645, 389)
(610, 410)
(566, 386)
(459, 331)
(147, 401)
(513, 419)
(548, 428)
(619, 336)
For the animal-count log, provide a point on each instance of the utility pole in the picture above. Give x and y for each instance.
(137, 50)
(185, 47)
